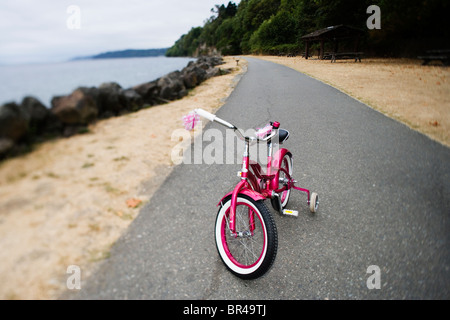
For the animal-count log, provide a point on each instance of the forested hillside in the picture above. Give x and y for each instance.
(408, 27)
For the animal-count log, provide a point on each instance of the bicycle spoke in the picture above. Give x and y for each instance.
(245, 245)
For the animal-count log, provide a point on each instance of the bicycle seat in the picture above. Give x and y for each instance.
(283, 135)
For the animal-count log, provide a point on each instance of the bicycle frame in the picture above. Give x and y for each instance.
(252, 181)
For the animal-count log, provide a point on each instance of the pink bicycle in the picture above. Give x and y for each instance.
(245, 232)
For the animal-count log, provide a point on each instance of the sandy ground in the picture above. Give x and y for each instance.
(403, 89)
(67, 202)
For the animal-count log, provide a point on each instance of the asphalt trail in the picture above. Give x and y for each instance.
(384, 200)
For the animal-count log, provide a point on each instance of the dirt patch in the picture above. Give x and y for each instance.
(67, 202)
(403, 89)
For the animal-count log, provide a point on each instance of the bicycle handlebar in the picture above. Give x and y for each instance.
(205, 114)
(213, 117)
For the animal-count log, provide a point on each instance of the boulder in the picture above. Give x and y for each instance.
(71, 130)
(6, 145)
(205, 66)
(148, 91)
(171, 86)
(13, 122)
(216, 61)
(36, 113)
(110, 99)
(133, 100)
(77, 108)
(211, 61)
(193, 76)
(52, 127)
(213, 72)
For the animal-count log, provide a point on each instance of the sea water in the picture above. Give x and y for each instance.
(44, 81)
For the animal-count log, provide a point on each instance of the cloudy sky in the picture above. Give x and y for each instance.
(50, 30)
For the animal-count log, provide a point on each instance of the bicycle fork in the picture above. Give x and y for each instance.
(243, 184)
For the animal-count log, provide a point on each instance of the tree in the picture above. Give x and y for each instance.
(407, 26)
(278, 30)
(186, 45)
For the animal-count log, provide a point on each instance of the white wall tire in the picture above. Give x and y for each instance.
(269, 233)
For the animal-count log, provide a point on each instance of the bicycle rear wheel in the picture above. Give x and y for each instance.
(250, 252)
(285, 172)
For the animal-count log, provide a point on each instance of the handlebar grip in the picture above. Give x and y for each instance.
(205, 114)
(212, 117)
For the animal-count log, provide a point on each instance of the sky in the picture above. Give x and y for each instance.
(39, 31)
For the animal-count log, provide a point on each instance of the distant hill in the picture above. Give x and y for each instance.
(129, 53)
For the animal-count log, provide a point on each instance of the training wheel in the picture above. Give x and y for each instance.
(314, 202)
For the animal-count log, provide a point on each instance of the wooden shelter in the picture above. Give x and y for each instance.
(333, 34)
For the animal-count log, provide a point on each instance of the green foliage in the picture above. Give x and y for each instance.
(274, 26)
(277, 30)
(186, 45)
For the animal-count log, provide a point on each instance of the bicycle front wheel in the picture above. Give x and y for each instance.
(251, 250)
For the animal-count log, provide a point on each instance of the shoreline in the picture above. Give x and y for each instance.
(91, 80)
(68, 201)
(28, 122)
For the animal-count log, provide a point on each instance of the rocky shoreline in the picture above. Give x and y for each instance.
(30, 122)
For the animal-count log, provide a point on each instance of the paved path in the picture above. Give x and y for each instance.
(384, 200)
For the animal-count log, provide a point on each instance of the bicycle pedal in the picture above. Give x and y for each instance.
(288, 212)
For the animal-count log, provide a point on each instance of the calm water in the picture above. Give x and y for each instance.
(45, 81)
